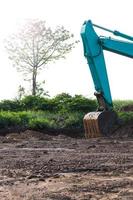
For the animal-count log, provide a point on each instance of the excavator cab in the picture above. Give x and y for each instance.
(101, 122)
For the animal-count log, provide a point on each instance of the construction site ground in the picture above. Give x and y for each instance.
(38, 166)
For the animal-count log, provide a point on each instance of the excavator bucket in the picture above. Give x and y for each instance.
(98, 124)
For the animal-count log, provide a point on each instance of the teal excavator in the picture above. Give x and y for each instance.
(102, 121)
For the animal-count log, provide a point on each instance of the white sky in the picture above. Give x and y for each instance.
(71, 75)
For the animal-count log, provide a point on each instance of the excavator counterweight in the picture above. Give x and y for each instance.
(101, 122)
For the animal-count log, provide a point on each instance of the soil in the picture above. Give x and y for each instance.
(38, 166)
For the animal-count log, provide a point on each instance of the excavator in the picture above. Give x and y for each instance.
(101, 122)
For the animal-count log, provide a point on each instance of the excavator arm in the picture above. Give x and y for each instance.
(120, 47)
(100, 122)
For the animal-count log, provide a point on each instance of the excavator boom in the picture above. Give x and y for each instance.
(100, 122)
(120, 47)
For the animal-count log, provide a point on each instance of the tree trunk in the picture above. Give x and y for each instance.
(34, 81)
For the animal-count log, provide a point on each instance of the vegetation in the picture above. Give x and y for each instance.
(60, 112)
(61, 103)
(40, 120)
(119, 105)
(35, 46)
(126, 117)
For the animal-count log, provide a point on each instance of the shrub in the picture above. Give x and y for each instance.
(39, 123)
(8, 119)
(74, 120)
(48, 105)
(11, 105)
(31, 102)
(126, 117)
(120, 104)
(24, 118)
(67, 103)
(62, 102)
(82, 104)
(38, 103)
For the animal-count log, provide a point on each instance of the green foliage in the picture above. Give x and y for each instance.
(66, 103)
(11, 105)
(8, 119)
(38, 103)
(31, 102)
(41, 120)
(39, 123)
(82, 104)
(60, 112)
(24, 118)
(126, 117)
(74, 120)
(120, 104)
(62, 102)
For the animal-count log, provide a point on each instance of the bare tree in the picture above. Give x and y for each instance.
(37, 45)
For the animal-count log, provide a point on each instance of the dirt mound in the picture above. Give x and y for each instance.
(124, 131)
(27, 135)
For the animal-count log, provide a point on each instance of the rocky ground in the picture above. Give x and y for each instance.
(37, 166)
